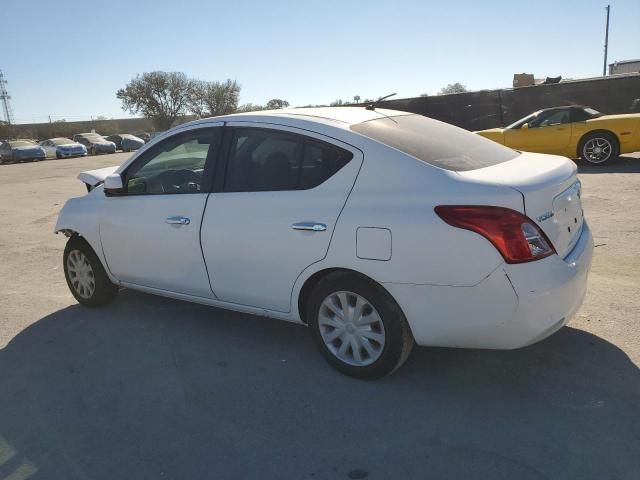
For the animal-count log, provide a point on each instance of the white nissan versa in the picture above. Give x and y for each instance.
(376, 228)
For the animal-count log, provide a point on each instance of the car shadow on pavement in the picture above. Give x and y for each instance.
(155, 388)
(622, 164)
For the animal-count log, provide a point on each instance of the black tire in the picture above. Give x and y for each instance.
(605, 140)
(398, 338)
(58, 156)
(104, 291)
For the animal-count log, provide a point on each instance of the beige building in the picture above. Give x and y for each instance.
(624, 66)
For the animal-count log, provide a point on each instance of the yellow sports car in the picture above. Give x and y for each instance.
(573, 132)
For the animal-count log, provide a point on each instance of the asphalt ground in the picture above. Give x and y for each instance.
(152, 388)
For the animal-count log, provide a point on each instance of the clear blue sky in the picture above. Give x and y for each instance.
(67, 58)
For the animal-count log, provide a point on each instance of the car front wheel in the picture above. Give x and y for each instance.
(358, 326)
(85, 274)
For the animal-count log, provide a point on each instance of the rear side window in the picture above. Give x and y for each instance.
(262, 160)
(268, 160)
(321, 161)
(436, 143)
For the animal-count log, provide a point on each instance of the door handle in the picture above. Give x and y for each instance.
(178, 221)
(309, 226)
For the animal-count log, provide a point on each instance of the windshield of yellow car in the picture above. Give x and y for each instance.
(524, 120)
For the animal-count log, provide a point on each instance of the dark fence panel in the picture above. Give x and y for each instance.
(471, 110)
(495, 108)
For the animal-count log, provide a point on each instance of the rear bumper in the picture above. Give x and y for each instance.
(515, 306)
(101, 148)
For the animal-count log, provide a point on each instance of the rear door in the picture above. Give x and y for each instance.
(275, 204)
(151, 232)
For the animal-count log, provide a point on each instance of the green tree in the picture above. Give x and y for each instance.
(210, 99)
(453, 88)
(250, 107)
(276, 103)
(159, 96)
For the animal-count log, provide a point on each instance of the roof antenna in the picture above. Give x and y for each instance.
(372, 105)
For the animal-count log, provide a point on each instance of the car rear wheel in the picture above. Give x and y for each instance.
(598, 148)
(358, 327)
(85, 274)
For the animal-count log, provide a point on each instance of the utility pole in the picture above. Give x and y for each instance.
(5, 99)
(606, 43)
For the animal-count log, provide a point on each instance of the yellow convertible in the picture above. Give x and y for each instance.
(573, 132)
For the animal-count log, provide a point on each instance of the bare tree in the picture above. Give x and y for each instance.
(159, 96)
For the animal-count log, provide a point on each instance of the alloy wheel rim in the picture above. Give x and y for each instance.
(351, 328)
(81, 274)
(597, 150)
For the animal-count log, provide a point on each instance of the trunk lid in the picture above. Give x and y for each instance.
(551, 193)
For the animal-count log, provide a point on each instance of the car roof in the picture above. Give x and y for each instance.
(563, 107)
(335, 116)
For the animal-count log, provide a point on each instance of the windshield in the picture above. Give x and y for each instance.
(436, 143)
(61, 141)
(21, 143)
(522, 121)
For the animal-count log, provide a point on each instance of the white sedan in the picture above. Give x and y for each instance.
(376, 228)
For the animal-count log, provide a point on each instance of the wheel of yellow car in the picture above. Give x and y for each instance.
(598, 147)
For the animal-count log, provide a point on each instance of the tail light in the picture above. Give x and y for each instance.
(515, 236)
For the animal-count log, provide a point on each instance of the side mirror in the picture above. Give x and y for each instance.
(525, 125)
(113, 184)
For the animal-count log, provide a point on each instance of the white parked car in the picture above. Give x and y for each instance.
(61, 147)
(376, 228)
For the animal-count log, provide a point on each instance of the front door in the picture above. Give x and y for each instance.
(50, 149)
(151, 232)
(274, 211)
(549, 132)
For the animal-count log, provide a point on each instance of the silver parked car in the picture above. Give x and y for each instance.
(126, 142)
(61, 147)
(95, 143)
(20, 150)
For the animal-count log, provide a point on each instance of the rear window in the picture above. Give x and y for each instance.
(21, 143)
(436, 143)
(61, 141)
